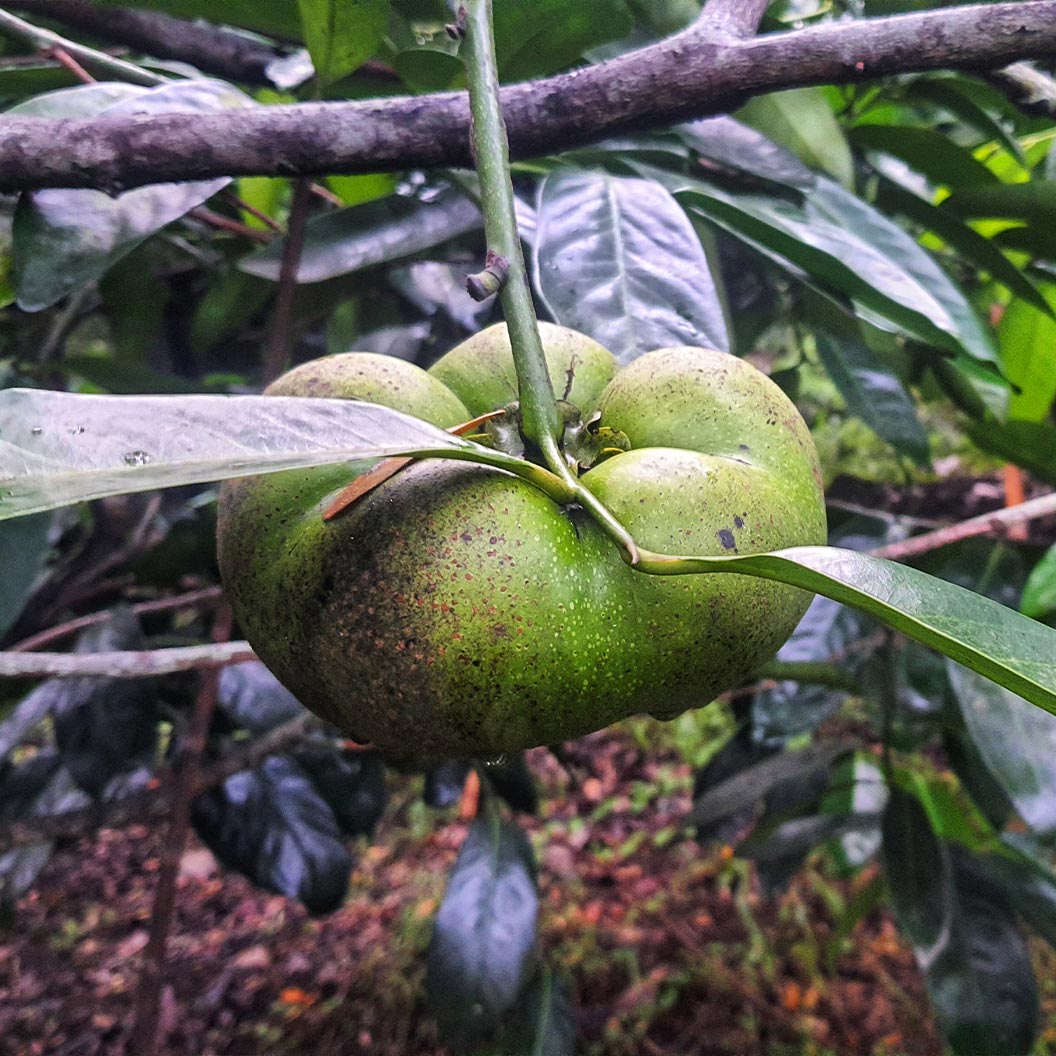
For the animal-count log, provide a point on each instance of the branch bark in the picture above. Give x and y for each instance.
(210, 48)
(131, 664)
(692, 74)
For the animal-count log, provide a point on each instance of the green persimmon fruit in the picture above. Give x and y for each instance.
(457, 611)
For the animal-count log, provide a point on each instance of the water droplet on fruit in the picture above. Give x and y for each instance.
(136, 458)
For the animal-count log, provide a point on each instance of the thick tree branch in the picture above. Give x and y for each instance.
(689, 75)
(210, 48)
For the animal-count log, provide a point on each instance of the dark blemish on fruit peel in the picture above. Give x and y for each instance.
(727, 539)
(738, 522)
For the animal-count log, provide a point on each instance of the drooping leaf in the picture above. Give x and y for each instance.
(351, 782)
(919, 875)
(874, 393)
(84, 100)
(790, 708)
(64, 239)
(739, 754)
(1027, 338)
(982, 983)
(105, 726)
(929, 152)
(58, 448)
(841, 243)
(1039, 594)
(734, 145)
(1016, 742)
(802, 121)
(342, 34)
(444, 783)
(857, 788)
(253, 698)
(480, 955)
(271, 825)
(617, 259)
(542, 1022)
(1029, 884)
(24, 549)
(363, 236)
(513, 781)
(1034, 202)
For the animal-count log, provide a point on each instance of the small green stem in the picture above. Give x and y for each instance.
(540, 419)
(99, 61)
(816, 673)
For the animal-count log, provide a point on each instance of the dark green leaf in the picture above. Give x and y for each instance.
(1016, 742)
(64, 239)
(342, 34)
(874, 393)
(105, 726)
(57, 448)
(543, 1023)
(1029, 885)
(364, 236)
(802, 121)
(277, 19)
(513, 781)
(1027, 338)
(919, 874)
(982, 983)
(482, 947)
(271, 825)
(351, 782)
(733, 145)
(617, 259)
(24, 550)
(741, 752)
(973, 247)
(254, 699)
(1034, 202)
(1031, 445)
(1039, 594)
(929, 152)
(444, 783)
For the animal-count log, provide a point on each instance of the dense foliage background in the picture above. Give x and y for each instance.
(886, 251)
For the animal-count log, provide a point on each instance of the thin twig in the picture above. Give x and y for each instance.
(65, 630)
(280, 339)
(240, 203)
(1000, 521)
(148, 994)
(227, 223)
(145, 663)
(44, 40)
(65, 59)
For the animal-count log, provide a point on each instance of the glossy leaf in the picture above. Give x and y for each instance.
(617, 259)
(1027, 338)
(1039, 594)
(24, 548)
(444, 783)
(1016, 742)
(982, 983)
(271, 825)
(364, 236)
(734, 145)
(480, 955)
(874, 393)
(1029, 884)
(543, 1023)
(254, 699)
(975, 248)
(929, 152)
(352, 783)
(919, 875)
(842, 243)
(84, 100)
(64, 239)
(802, 121)
(58, 448)
(342, 34)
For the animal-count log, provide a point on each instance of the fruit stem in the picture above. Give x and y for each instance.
(540, 419)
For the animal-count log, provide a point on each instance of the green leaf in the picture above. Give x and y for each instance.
(64, 239)
(975, 248)
(1039, 594)
(1017, 744)
(919, 874)
(342, 34)
(1029, 884)
(58, 448)
(617, 259)
(802, 121)
(543, 1023)
(874, 393)
(86, 100)
(1027, 339)
(1034, 202)
(480, 955)
(364, 236)
(24, 549)
(927, 151)
(1031, 445)
(981, 983)
(844, 244)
